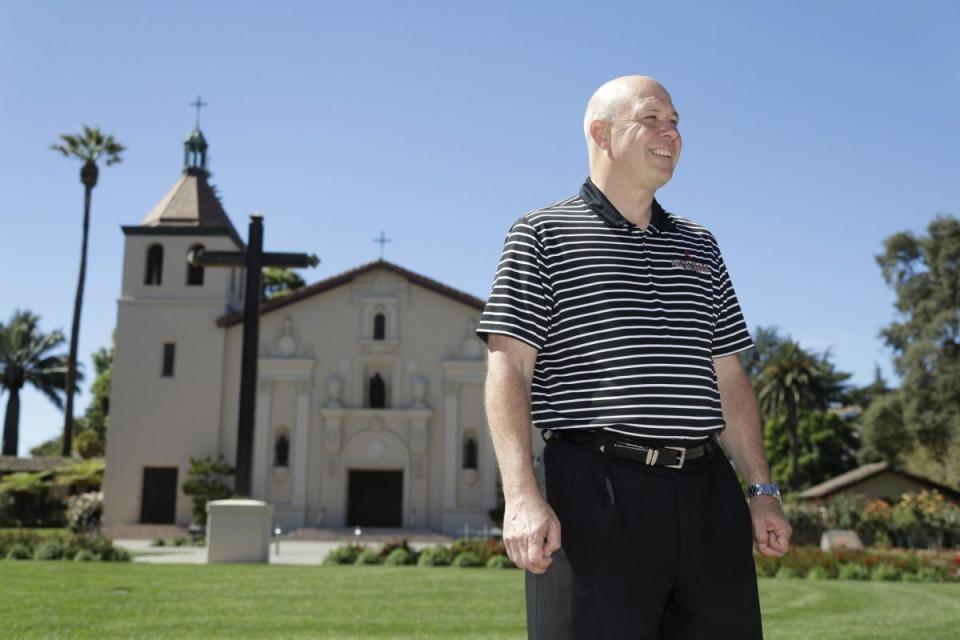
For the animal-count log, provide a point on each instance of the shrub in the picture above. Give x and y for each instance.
(84, 511)
(467, 559)
(158, 542)
(806, 521)
(885, 572)
(484, 548)
(85, 556)
(786, 571)
(818, 573)
(52, 550)
(854, 571)
(929, 574)
(206, 481)
(181, 541)
(434, 557)
(19, 552)
(390, 545)
(368, 556)
(344, 554)
(398, 557)
(500, 562)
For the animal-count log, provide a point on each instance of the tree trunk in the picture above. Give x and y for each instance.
(75, 329)
(11, 423)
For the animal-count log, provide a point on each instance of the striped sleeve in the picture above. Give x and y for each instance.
(730, 333)
(520, 300)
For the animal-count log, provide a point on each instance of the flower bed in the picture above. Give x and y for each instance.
(876, 564)
(918, 520)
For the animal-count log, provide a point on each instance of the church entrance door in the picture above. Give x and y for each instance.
(158, 499)
(375, 499)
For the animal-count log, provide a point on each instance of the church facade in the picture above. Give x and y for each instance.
(369, 407)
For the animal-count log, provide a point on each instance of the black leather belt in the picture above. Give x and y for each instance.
(620, 446)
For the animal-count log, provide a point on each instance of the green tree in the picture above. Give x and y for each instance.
(884, 434)
(90, 430)
(827, 443)
(207, 480)
(863, 396)
(26, 357)
(89, 146)
(794, 382)
(767, 342)
(276, 283)
(925, 274)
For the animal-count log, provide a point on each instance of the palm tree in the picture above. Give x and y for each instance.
(89, 147)
(791, 382)
(25, 357)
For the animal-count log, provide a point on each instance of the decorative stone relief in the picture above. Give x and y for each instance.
(418, 437)
(334, 391)
(418, 467)
(419, 392)
(286, 343)
(331, 436)
(333, 465)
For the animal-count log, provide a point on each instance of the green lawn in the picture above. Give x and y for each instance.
(124, 600)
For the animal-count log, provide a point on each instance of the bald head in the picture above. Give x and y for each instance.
(610, 100)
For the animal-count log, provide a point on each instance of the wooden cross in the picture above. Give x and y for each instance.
(382, 240)
(253, 260)
(198, 103)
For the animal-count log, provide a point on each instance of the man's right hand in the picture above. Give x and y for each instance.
(531, 532)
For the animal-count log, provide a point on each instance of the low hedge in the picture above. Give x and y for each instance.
(23, 544)
(877, 564)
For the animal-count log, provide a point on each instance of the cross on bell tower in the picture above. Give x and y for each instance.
(195, 146)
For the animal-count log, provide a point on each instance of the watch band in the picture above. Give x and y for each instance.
(764, 489)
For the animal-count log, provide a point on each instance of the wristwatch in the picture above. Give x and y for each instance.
(764, 489)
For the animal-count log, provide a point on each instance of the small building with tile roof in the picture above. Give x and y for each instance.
(876, 480)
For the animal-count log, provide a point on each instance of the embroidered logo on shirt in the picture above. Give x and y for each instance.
(688, 263)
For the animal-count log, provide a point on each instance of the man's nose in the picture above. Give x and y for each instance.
(670, 131)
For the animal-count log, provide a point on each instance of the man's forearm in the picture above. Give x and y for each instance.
(508, 414)
(743, 437)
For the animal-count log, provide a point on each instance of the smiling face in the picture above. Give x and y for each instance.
(639, 134)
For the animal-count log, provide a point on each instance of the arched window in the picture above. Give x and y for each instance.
(194, 274)
(469, 452)
(378, 392)
(379, 326)
(281, 451)
(154, 274)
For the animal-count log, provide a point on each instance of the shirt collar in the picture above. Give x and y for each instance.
(660, 220)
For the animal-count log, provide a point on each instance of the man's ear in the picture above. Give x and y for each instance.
(600, 132)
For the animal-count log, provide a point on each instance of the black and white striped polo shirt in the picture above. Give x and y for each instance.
(626, 321)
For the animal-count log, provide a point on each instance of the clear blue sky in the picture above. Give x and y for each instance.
(812, 131)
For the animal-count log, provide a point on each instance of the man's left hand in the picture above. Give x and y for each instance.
(771, 529)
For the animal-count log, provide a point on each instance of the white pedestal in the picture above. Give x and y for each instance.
(238, 530)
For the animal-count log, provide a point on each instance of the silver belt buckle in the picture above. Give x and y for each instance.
(683, 457)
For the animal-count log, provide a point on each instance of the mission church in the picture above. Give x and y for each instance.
(369, 408)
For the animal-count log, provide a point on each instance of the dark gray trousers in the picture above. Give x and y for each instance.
(647, 553)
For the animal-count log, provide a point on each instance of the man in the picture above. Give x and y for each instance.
(613, 327)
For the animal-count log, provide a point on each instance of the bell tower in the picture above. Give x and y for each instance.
(167, 387)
